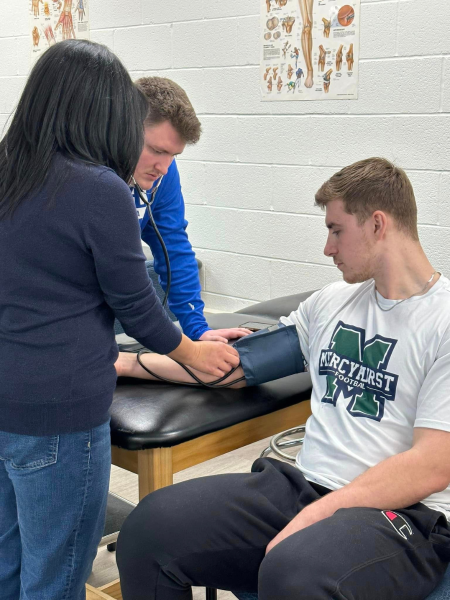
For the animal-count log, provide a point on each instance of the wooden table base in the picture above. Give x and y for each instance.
(102, 593)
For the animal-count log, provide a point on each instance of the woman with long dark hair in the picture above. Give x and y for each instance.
(71, 260)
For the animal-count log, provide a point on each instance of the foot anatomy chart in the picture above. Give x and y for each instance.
(309, 49)
(54, 20)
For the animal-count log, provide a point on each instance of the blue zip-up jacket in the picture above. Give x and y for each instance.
(169, 213)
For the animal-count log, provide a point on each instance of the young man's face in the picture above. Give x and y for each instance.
(350, 245)
(161, 144)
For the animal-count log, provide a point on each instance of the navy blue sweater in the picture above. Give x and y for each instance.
(71, 259)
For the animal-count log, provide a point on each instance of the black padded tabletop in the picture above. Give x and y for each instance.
(277, 307)
(155, 414)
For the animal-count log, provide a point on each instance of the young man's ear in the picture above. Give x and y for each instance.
(379, 223)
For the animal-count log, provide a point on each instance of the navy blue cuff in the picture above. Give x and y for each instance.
(270, 354)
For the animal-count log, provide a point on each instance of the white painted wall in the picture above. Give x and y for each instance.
(249, 183)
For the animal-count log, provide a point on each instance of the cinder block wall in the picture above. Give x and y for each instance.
(249, 183)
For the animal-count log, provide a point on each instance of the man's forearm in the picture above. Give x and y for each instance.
(397, 482)
(127, 365)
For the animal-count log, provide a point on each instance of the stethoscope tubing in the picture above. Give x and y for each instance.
(148, 203)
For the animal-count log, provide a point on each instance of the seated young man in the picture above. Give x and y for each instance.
(363, 515)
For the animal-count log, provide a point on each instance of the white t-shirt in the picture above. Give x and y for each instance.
(376, 375)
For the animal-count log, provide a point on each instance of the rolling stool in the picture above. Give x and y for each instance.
(117, 511)
(276, 443)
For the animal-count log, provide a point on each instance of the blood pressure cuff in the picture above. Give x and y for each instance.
(270, 354)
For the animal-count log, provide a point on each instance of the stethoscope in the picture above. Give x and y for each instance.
(148, 203)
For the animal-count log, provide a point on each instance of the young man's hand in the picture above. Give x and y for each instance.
(223, 335)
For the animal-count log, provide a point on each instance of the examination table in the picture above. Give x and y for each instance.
(158, 429)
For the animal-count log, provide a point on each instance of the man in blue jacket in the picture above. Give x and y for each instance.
(171, 124)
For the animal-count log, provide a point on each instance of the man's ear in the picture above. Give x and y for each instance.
(379, 223)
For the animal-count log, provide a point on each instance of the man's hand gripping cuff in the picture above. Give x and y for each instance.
(270, 354)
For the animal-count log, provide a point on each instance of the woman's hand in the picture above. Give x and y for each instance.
(214, 358)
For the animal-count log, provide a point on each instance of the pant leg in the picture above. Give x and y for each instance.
(10, 546)
(360, 554)
(61, 487)
(211, 531)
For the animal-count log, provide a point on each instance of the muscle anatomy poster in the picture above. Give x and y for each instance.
(309, 49)
(54, 20)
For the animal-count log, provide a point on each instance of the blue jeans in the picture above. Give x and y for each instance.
(53, 493)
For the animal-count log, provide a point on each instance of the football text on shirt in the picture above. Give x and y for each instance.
(356, 371)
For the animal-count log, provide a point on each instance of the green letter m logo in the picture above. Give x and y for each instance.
(356, 371)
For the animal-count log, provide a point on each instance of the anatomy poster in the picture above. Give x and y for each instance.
(309, 49)
(54, 20)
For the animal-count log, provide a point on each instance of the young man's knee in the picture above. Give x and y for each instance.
(147, 529)
(169, 521)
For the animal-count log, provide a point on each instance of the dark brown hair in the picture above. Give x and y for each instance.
(79, 100)
(167, 101)
(370, 185)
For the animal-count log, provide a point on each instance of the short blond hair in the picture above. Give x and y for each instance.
(167, 101)
(373, 184)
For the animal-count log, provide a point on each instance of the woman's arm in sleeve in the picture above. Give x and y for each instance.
(113, 238)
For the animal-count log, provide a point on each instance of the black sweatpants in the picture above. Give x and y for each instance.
(213, 532)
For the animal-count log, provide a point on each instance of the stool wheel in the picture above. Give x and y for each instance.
(276, 443)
